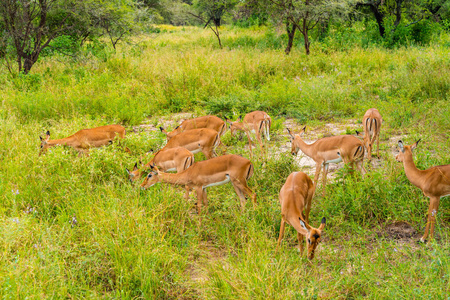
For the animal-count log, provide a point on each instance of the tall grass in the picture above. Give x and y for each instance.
(129, 243)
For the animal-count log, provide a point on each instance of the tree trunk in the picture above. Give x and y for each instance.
(307, 43)
(379, 17)
(291, 35)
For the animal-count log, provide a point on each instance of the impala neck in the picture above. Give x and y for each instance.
(307, 149)
(411, 171)
(181, 178)
(63, 142)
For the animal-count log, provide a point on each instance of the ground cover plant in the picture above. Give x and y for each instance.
(74, 227)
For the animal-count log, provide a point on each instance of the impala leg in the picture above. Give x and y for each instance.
(186, 195)
(431, 220)
(242, 189)
(316, 176)
(324, 178)
(378, 146)
(205, 198)
(280, 237)
(199, 191)
(301, 241)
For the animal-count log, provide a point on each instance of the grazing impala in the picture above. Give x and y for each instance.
(216, 171)
(333, 149)
(203, 140)
(434, 183)
(173, 159)
(211, 122)
(295, 196)
(85, 138)
(257, 122)
(372, 126)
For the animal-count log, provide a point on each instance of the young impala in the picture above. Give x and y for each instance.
(295, 196)
(203, 140)
(85, 139)
(372, 126)
(333, 149)
(174, 159)
(215, 171)
(209, 121)
(434, 183)
(257, 122)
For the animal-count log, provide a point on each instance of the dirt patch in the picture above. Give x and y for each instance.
(398, 230)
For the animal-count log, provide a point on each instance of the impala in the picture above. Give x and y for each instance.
(372, 126)
(216, 171)
(211, 122)
(434, 183)
(173, 159)
(333, 149)
(257, 122)
(295, 196)
(85, 138)
(203, 140)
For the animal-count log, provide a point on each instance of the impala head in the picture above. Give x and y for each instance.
(295, 147)
(44, 144)
(405, 150)
(151, 178)
(134, 174)
(234, 126)
(171, 134)
(313, 236)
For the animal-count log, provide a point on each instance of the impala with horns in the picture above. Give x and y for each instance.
(372, 126)
(434, 183)
(257, 122)
(295, 197)
(209, 121)
(203, 140)
(333, 149)
(174, 159)
(85, 139)
(216, 171)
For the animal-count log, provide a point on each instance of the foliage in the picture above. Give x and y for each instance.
(130, 243)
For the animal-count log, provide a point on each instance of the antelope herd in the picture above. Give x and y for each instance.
(203, 134)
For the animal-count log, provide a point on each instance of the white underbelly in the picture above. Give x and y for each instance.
(227, 179)
(196, 150)
(333, 161)
(171, 170)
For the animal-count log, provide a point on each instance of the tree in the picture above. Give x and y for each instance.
(211, 12)
(304, 15)
(415, 10)
(31, 25)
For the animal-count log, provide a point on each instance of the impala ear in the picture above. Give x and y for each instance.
(176, 127)
(400, 145)
(292, 136)
(322, 224)
(128, 171)
(41, 138)
(358, 133)
(303, 130)
(48, 133)
(135, 167)
(414, 146)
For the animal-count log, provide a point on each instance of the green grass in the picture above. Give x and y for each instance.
(129, 243)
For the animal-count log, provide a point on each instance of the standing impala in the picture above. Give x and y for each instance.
(203, 140)
(211, 122)
(216, 171)
(86, 138)
(434, 183)
(173, 159)
(295, 196)
(372, 126)
(333, 149)
(257, 122)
